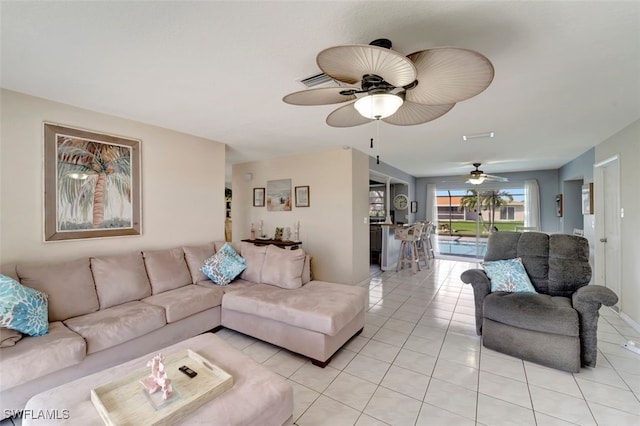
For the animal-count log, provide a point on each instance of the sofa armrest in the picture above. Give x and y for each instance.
(481, 288)
(587, 301)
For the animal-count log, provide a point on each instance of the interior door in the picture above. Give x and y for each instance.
(607, 188)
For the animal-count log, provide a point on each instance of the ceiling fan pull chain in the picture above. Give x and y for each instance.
(378, 139)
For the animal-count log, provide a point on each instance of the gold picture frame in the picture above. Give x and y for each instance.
(91, 184)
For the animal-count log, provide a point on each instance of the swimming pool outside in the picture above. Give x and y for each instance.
(459, 247)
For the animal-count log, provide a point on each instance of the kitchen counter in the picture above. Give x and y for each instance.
(386, 244)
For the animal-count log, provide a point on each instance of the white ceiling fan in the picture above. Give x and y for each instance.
(381, 84)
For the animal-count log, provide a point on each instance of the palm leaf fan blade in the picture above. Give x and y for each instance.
(449, 75)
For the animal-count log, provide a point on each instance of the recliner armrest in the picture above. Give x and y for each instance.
(587, 301)
(481, 288)
(477, 278)
(595, 294)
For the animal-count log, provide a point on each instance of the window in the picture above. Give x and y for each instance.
(377, 210)
(446, 212)
(508, 213)
(496, 206)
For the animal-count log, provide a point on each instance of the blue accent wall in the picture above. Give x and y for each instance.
(580, 168)
(566, 180)
(571, 177)
(547, 181)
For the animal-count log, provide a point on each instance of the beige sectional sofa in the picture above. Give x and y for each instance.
(106, 310)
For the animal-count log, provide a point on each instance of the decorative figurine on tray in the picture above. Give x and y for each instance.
(158, 380)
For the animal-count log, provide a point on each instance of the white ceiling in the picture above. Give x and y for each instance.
(567, 72)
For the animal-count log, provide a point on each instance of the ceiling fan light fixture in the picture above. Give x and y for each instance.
(402, 90)
(379, 105)
(476, 180)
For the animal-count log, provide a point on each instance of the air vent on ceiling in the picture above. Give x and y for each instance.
(318, 80)
(479, 136)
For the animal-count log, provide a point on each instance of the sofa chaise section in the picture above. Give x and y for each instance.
(313, 318)
(318, 306)
(275, 300)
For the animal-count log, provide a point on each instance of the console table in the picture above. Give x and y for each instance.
(292, 245)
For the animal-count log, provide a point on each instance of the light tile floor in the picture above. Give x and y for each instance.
(419, 362)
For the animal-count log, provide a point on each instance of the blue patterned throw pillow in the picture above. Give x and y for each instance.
(227, 250)
(22, 308)
(224, 266)
(508, 275)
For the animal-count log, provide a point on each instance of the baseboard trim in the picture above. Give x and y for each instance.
(630, 321)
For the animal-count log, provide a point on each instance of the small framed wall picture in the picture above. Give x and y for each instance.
(559, 205)
(414, 207)
(258, 197)
(587, 198)
(302, 196)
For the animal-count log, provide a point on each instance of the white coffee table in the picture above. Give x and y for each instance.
(258, 396)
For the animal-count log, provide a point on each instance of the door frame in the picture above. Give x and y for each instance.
(599, 207)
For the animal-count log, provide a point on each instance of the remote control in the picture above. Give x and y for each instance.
(189, 372)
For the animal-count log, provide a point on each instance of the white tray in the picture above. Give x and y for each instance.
(126, 402)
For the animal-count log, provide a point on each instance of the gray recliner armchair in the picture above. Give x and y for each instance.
(557, 327)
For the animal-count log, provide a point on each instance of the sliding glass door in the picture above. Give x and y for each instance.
(466, 218)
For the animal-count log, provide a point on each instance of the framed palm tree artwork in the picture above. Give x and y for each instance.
(91, 184)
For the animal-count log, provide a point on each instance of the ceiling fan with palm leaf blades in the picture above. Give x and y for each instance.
(477, 177)
(382, 84)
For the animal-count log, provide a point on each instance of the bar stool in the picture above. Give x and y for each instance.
(408, 248)
(424, 245)
(427, 237)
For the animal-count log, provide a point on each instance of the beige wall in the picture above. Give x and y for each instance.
(626, 144)
(182, 183)
(360, 211)
(332, 229)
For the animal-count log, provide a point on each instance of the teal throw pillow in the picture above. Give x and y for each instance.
(227, 250)
(224, 266)
(22, 308)
(508, 275)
